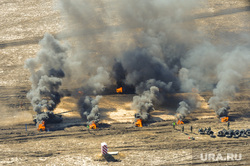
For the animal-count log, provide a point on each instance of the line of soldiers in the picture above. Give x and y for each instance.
(191, 127)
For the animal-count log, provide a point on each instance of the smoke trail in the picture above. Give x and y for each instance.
(47, 71)
(88, 108)
(143, 104)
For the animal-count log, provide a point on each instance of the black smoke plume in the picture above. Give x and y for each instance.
(140, 44)
(162, 45)
(89, 109)
(47, 71)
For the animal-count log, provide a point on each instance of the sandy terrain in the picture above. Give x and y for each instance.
(24, 22)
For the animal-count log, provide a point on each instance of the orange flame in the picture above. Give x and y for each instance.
(41, 127)
(80, 92)
(92, 126)
(180, 122)
(138, 123)
(119, 90)
(224, 119)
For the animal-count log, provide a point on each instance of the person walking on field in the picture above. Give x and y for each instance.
(191, 129)
(182, 129)
(228, 124)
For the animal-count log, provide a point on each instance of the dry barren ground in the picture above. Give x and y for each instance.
(23, 23)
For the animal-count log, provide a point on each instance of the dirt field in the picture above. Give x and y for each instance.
(24, 22)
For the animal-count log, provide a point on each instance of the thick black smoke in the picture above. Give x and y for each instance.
(47, 71)
(143, 44)
(161, 43)
(88, 108)
(128, 43)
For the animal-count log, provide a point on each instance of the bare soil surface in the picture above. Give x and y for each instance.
(24, 22)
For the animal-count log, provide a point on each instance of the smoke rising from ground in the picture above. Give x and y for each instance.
(229, 74)
(88, 108)
(47, 71)
(150, 45)
(143, 104)
(182, 111)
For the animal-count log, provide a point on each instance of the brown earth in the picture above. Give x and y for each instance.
(23, 24)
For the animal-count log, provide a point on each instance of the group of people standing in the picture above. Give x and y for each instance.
(191, 127)
(182, 127)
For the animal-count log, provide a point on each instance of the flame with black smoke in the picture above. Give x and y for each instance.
(161, 52)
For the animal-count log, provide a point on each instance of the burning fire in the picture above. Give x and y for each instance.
(180, 122)
(224, 119)
(41, 127)
(92, 126)
(119, 90)
(138, 123)
(80, 92)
